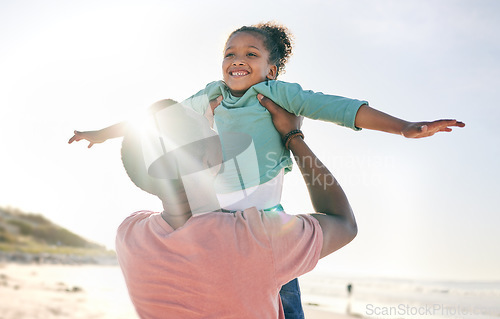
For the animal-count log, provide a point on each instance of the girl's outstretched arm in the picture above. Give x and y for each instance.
(372, 119)
(99, 136)
(120, 129)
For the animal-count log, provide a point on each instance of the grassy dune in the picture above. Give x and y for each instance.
(29, 233)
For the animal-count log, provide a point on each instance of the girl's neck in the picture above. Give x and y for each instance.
(237, 94)
(241, 93)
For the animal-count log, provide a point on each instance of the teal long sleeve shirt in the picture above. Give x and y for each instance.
(253, 150)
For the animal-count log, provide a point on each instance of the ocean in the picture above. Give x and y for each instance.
(400, 298)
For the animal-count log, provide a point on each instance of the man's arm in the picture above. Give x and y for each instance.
(328, 199)
(372, 119)
(334, 211)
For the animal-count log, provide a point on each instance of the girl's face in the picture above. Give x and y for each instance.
(246, 62)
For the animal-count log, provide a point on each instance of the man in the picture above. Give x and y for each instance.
(195, 261)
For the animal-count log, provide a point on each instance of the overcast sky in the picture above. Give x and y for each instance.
(425, 208)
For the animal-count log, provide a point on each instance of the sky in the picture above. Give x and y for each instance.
(426, 209)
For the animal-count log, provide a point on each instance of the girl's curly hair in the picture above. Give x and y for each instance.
(277, 40)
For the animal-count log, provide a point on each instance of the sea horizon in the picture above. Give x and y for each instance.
(385, 297)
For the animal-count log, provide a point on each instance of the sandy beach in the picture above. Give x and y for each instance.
(62, 291)
(65, 291)
(312, 313)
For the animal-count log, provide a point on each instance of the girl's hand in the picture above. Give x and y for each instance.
(283, 121)
(425, 129)
(93, 137)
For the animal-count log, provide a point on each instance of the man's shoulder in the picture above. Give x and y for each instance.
(277, 221)
(141, 214)
(252, 219)
(136, 217)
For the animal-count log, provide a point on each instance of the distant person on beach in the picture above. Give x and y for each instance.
(349, 295)
(219, 264)
(255, 159)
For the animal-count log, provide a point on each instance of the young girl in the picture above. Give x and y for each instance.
(255, 157)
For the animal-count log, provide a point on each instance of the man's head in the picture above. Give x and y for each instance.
(171, 147)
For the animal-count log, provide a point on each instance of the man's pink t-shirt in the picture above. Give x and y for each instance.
(218, 265)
